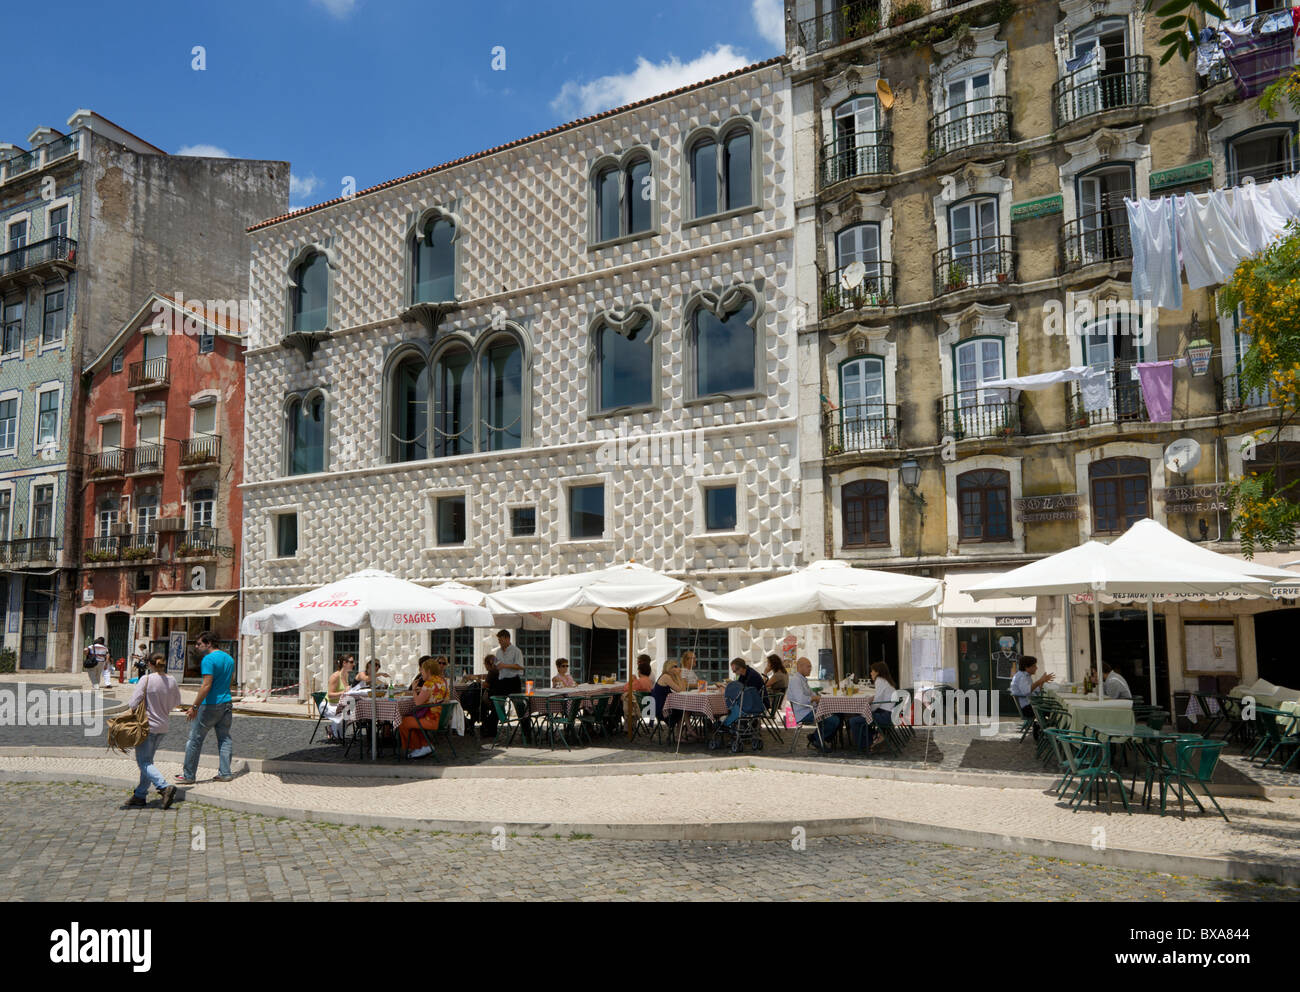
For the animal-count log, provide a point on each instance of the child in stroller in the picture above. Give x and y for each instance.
(740, 727)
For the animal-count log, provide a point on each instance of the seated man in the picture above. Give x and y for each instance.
(476, 699)
(1113, 685)
(1023, 685)
(747, 676)
(802, 701)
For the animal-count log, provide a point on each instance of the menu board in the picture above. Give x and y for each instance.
(1211, 648)
(926, 659)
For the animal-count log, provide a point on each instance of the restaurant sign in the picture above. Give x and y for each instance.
(1194, 499)
(1182, 175)
(1042, 509)
(1044, 207)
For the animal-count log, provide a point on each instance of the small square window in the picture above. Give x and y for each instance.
(523, 521)
(586, 512)
(206, 343)
(720, 508)
(286, 535)
(118, 360)
(451, 520)
(143, 582)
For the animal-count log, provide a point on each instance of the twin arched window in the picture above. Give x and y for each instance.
(722, 172)
(309, 297)
(459, 403)
(624, 197)
(726, 348)
(305, 434)
(433, 262)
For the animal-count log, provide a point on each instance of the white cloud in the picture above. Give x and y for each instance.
(204, 151)
(648, 79)
(302, 185)
(337, 8)
(769, 19)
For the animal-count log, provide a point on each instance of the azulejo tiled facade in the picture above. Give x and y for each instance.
(529, 275)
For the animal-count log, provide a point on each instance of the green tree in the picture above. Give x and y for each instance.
(1179, 21)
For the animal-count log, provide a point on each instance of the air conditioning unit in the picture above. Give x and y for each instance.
(163, 524)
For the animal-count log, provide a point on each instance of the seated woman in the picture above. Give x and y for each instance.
(562, 679)
(643, 682)
(688, 675)
(372, 677)
(670, 681)
(335, 689)
(418, 681)
(882, 706)
(778, 679)
(433, 691)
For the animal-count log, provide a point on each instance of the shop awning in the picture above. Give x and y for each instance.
(204, 605)
(959, 610)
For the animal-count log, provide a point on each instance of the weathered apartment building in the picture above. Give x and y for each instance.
(93, 219)
(571, 350)
(960, 174)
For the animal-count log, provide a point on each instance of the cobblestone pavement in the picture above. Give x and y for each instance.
(949, 749)
(46, 854)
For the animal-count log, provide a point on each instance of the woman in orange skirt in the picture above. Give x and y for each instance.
(433, 691)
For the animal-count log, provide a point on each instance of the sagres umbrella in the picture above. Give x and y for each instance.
(370, 600)
(468, 594)
(1152, 540)
(1099, 570)
(623, 597)
(829, 592)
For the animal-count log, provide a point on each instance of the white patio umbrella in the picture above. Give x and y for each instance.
(468, 594)
(1154, 541)
(372, 600)
(828, 592)
(1098, 569)
(623, 597)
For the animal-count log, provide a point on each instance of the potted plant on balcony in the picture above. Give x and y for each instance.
(834, 449)
(190, 550)
(830, 302)
(1002, 277)
(956, 278)
(100, 555)
(138, 552)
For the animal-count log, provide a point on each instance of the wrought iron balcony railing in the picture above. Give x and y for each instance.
(31, 549)
(1099, 237)
(97, 550)
(109, 464)
(199, 542)
(203, 450)
(1125, 404)
(152, 373)
(861, 427)
(1235, 396)
(146, 459)
(844, 22)
(979, 413)
(862, 153)
(979, 262)
(1263, 173)
(1089, 91)
(61, 147)
(986, 120)
(840, 291)
(139, 547)
(55, 252)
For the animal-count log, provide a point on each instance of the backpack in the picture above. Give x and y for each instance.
(89, 660)
(130, 729)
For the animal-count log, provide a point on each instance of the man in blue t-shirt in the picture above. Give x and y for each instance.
(211, 709)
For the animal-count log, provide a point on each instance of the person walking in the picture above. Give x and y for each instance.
(210, 710)
(95, 662)
(161, 695)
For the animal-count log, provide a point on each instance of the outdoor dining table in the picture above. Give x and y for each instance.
(391, 711)
(707, 704)
(858, 704)
(1108, 715)
(1150, 744)
(588, 690)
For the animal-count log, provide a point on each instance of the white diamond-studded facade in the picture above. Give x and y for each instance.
(526, 266)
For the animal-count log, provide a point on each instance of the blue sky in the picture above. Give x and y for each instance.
(371, 89)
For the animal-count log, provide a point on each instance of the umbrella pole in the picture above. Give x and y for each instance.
(835, 647)
(1096, 628)
(374, 746)
(1151, 648)
(629, 698)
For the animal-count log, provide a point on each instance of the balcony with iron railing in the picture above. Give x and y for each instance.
(989, 261)
(31, 550)
(145, 459)
(989, 413)
(101, 550)
(1124, 402)
(1235, 396)
(152, 373)
(861, 427)
(112, 463)
(1096, 238)
(197, 452)
(41, 258)
(139, 547)
(39, 157)
(844, 22)
(864, 286)
(1265, 172)
(201, 542)
(861, 153)
(1087, 92)
(973, 124)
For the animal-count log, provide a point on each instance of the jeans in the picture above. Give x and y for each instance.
(144, 752)
(828, 727)
(215, 715)
(93, 674)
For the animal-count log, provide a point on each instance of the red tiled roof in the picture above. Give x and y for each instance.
(231, 323)
(558, 129)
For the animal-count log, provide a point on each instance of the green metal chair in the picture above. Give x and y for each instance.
(595, 720)
(560, 719)
(1026, 722)
(1089, 762)
(772, 718)
(506, 719)
(1057, 737)
(318, 698)
(1194, 762)
(528, 722)
(1211, 710)
(1235, 726)
(1277, 731)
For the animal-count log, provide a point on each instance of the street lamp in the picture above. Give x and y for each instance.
(910, 474)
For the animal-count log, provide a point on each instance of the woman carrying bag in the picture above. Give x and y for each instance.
(160, 695)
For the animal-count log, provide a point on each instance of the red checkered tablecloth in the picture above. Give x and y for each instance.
(706, 703)
(586, 691)
(849, 705)
(391, 711)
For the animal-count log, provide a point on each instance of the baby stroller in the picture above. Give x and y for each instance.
(743, 721)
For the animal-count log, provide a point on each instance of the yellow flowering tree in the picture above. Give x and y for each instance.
(1265, 512)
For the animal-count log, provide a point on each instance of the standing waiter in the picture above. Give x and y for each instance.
(510, 665)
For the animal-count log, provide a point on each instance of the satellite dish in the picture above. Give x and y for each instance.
(1183, 455)
(885, 94)
(851, 278)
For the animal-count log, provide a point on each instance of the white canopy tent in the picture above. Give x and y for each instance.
(1097, 569)
(829, 592)
(622, 597)
(370, 600)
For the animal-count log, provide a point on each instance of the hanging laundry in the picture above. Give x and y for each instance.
(1153, 233)
(1042, 380)
(1157, 379)
(1208, 236)
(1075, 64)
(1257, 217)
(1095, 389)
